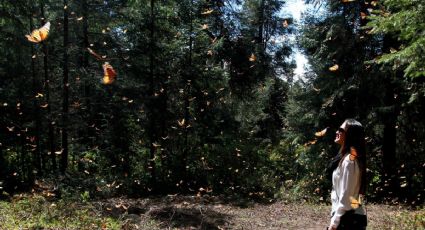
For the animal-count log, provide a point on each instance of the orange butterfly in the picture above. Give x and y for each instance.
(355, 203)
(205, 26)
(285, 23)
(252, 58)
(39, 35)
(353, 153)
(312, 142)
(181, 123)
(321, 133)
(109, 74)
(207, 12)
(334, 68)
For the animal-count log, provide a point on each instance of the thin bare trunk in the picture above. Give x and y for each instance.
(152, 120)
(51, 138)
(188, 76)
(65, 102)
(36, 89)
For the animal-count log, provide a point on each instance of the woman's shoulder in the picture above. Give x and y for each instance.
(351, 156)
(349, 159)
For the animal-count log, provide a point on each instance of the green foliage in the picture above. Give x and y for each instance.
(188, 109)
(85, 196)
(403, 20)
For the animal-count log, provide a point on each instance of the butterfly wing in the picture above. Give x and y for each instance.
(181, 123)
(44, 31)
(39, 35)
(207, 12)
(109, 74)
(334, 68)
(107, 80)
(321, 133)
(31, 38)
(353, 154)
(252, 58)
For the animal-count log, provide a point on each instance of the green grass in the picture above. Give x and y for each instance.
(409, 220)
(35, 212)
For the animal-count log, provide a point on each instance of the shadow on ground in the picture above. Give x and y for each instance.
(182, 212)
(196, 218)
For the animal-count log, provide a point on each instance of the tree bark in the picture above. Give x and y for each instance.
(51, 137)
(261, 23)
(65, 102)
(188, 79)
(390, 121)
(152, 119)
(36, 90)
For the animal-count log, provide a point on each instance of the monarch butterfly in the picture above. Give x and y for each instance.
(334, 68)
(353, 154)
(252, 58)
(181, 123)
(207, 12)
(321, 133)
(39, 35)
(312, 142)
(109, 74)
(355, 203)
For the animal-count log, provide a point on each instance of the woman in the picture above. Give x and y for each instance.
(349, 178)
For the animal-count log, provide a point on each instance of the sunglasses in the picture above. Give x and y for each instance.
(341, 130)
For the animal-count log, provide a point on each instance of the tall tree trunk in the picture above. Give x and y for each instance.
(152, 120)
(188, 83)
(65, 103)
(390, 121)
(36, 90)
(85, 133)
(261, 23)
(51, 138)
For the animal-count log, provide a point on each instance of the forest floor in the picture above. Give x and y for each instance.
(28, 211)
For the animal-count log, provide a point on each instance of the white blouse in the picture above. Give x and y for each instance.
(346, 186)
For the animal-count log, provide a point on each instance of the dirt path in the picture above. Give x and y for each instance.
(188, 212)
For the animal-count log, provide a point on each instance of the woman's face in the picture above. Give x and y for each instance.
(340, 134)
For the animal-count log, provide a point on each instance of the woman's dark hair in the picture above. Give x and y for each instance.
(354, 138)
